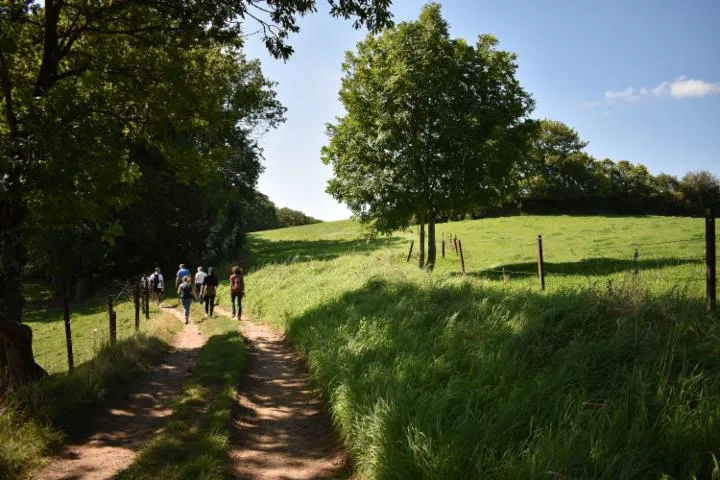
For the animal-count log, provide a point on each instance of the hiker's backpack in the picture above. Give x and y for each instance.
(236, 283)
(156, 280)
(186, 290)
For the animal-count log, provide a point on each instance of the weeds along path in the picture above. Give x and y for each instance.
(131, 420)
(280, 428)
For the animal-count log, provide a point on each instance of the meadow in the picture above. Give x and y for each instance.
(88, 320)
(607, 373)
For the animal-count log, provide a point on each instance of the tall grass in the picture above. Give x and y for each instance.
(606, 374)
(37, 417)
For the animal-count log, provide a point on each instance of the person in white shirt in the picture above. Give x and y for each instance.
(157, 284)
(199, 280)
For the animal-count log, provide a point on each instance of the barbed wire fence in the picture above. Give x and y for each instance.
(60, 346)
(637, 261)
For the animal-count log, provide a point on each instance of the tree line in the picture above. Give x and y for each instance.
(558, 176)
(438, 128)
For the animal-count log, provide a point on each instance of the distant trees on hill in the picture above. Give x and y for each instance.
(288, 217)
(558, 176)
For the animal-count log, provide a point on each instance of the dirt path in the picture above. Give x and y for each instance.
(132, 420)
(280, 429)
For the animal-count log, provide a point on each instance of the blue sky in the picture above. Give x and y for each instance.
(639, 80)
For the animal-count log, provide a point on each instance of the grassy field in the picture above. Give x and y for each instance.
(606, 374)
(195, 442)
(89, 322)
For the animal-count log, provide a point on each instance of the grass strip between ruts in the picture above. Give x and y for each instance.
(196, 440)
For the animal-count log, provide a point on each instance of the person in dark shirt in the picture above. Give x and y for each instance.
(209, 290)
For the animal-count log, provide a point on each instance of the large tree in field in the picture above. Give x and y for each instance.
(82, 82)
(433, 126)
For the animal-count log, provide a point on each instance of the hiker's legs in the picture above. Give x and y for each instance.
(239, 311)
(211, 301)
(186, 302)
(207, 307)
(233, 296)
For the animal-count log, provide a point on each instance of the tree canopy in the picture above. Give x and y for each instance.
(106, 103)
(433, 127)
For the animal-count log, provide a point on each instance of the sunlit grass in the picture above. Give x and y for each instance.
(606, 374)
(89, 325)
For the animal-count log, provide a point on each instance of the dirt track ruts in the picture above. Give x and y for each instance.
(280, 428)
(131, 420)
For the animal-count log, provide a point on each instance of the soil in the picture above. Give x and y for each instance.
(280, 427)
(132, 419)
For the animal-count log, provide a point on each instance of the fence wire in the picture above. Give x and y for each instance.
(90, 329)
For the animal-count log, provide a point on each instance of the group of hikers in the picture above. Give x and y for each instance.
(202, 287)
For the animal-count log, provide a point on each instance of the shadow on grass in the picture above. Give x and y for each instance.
(464, 381)
(294, 251)
(587, 267)
(48, 312)
(68, 400)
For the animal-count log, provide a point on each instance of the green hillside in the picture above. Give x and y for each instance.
(606, 374)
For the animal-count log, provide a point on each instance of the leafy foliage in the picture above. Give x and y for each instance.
(433, 125)
(559, 176)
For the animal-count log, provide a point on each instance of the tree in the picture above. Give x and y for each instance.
(433, 127)
(700, 190)
(83, 81)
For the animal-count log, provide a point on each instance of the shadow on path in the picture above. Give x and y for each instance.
(132, 419)
(280, 428)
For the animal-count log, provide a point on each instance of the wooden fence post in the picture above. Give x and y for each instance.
(68, 332)
(136, 299)
(112, 317)
(412, 242)
(462, 257)
(455, 243)
(710, 262)
(443, 245)
(541, 263)
(147, 303)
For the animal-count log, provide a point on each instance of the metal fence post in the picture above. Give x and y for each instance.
(541, 263)
(710, 262)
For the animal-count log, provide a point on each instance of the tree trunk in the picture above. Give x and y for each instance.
(432, 251)
(421, 246)
(83, 288)
(58, 284)
(18, 337)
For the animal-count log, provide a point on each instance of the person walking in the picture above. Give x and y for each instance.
(158, 284)
(210, 285)
(181, 273)
(199, 280)
(186, 293)
(237, 290)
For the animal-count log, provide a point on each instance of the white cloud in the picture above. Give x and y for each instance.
(681, 87)
(687, 87)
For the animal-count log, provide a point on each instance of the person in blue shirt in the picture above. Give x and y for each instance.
(181, 273)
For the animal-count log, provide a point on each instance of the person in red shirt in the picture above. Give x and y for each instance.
(237, 290)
